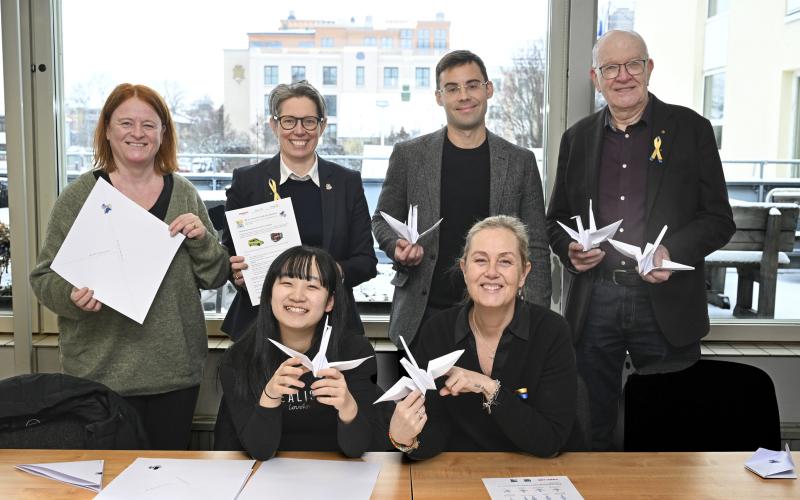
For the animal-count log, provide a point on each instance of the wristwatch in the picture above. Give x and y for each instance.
(405, 449)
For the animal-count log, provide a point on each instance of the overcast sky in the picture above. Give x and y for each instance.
(181, 41)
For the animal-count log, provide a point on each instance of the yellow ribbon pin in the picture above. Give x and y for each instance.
(274, 188)
(657, 150)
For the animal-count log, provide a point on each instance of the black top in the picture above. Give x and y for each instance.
(464, 201)
(159, 208)
(535, 353)
(300, 423)
(307, 205)
(622, 185)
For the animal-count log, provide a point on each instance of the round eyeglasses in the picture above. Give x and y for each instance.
(288, 122)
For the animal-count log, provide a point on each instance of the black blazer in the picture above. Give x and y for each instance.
(686, 192)
(346, 228)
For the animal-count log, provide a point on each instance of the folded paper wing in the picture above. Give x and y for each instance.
(644, 258)
(771, 464)
(408, 231)
(419, 379)
(320, 361)
(85, 473)
(592, 237)
(119, 250)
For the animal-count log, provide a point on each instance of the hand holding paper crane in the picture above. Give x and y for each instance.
(320, 362)
(420, 379)
(408, 231)
(592, 237)
(644, 258)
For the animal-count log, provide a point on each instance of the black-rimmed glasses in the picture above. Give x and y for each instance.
(288, 122)
(611, 71)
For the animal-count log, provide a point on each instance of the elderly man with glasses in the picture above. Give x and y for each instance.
(461, 173)
(652, 165)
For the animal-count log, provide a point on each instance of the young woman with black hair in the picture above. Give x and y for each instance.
(271, 402)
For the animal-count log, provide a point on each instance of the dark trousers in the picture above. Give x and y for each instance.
(621, 319)
(167, 417)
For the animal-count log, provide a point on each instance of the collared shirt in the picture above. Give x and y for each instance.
(313, 174)
(622, 184)
(535, 364)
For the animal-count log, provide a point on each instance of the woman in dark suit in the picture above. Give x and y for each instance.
(328, 199)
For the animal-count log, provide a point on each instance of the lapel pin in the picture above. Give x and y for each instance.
(657, 149)
(328, 187)
(522, 393)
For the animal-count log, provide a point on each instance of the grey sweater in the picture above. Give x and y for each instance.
(168, 351)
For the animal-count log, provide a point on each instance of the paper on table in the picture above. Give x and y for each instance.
(531, 488)
(119, 250)
(644, 258)
(592, 237)
(320, 361)
(771, 464)
(420, 379)
(85, 473)
(260, 233)
(312, 479)
(178, 479)
(408, 231)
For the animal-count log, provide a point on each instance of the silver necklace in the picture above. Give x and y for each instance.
(479, 336)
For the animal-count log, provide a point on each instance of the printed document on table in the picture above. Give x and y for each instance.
(84, 473)
(119, 250)
(531, 488)
(312, 479)
(260, 233)
(179, 479)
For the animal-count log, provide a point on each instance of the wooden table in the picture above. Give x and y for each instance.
(393, 480)
(604, 475)
(458, 475)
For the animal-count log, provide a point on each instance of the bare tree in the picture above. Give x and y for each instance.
(173, 94)
(517, 112)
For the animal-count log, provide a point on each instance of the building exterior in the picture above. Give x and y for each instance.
(738, 64)
(376, 77)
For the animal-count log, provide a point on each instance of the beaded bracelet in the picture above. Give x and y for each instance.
(492, 400)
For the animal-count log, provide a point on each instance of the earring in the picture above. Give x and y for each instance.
(520, 293)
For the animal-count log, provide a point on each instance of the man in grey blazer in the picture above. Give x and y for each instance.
(461, 173)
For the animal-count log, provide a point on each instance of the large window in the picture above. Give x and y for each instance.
(422, 77)
(298, 73)
(714, 103)
(222, 111)
(329, 75)
(271, 75)
(710, 69)
(359, 76)
(390, 76)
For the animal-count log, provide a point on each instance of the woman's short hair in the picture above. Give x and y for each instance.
(166, 160)
(508, 222)
(300, 88)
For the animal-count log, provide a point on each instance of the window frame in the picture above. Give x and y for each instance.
(31, 32)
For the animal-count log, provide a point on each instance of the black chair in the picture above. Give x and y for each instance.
(580, 437)
(57, 411)
(711, 406)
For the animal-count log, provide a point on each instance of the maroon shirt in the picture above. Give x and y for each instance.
(622, 183)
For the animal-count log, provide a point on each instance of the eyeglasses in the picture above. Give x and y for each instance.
(452, 90)
(309, 123)
(611, 71)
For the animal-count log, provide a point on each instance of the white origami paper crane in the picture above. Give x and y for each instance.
(320, 362)
(421, 380)
(592, 237)
(408, 231)
(644, 258)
